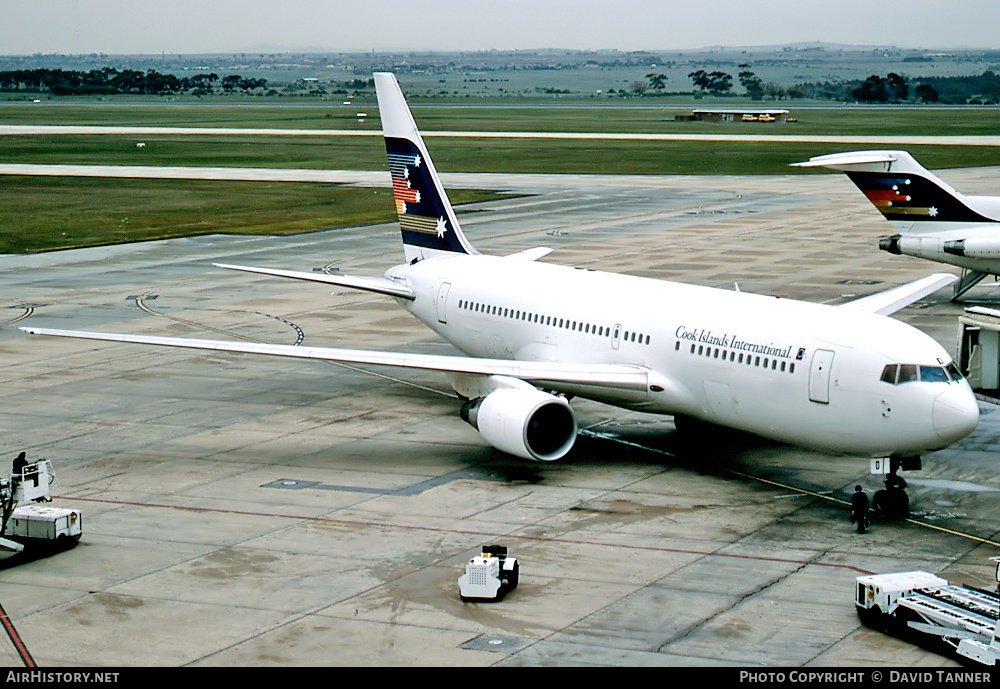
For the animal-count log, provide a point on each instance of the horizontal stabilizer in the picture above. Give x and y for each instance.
(380, 285)
(531, 254)
(868, 160)
(621, 376)
(892, 300)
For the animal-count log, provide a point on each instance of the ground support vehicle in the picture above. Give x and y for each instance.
(34, 523)
(489, 576)
(965, 618)
(43, 524)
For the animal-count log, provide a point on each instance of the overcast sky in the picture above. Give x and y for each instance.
(209, 26)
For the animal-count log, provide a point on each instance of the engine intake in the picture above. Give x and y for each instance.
(526, 423)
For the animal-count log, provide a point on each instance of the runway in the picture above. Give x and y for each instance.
(867, 140)
(245, 511)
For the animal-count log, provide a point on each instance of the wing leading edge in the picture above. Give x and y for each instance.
(616, 376)
(892, 300)
(379, 285)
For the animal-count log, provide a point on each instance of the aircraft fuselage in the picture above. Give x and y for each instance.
(807, 374)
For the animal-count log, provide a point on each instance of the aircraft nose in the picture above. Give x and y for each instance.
(955, 414)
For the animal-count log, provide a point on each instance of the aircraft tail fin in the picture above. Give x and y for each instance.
(426, 218)
(902, 190)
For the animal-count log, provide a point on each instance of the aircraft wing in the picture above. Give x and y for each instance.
(380, 285)
(892, 300)
(531, 254)
(619, 376)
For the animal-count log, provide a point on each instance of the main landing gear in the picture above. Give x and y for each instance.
(892, 502)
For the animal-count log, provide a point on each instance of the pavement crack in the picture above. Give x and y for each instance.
(749, 594)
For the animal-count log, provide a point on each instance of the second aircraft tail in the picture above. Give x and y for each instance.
(908, 195)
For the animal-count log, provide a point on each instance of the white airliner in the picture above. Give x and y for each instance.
(932, 220)
(839, 379)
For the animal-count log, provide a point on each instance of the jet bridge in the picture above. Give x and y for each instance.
(979, 348)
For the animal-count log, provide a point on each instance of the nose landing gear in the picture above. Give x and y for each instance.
(892, 502)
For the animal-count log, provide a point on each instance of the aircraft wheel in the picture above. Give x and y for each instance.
(894, 504)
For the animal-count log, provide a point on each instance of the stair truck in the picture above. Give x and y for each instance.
(35, 523)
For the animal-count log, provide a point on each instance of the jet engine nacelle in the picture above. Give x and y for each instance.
(890, 244)
(525, 423)
(976, 247)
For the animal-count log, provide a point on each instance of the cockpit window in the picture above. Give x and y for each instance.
(906, 373)
(954, 372)
(933, 374)
(889, 374)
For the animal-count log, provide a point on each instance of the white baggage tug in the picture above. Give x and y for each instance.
(489, 576)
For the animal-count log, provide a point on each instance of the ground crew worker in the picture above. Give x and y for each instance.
(18, 470)
(859, 509)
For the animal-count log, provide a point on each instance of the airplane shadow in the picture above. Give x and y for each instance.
(702, 448)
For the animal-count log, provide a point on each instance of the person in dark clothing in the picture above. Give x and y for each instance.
(19, 463)
(859, 509)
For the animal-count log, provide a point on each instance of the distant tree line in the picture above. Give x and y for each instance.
(108, 80)
(983, 89)
(893, 88)
(717, 83)
(979, 90)
(355, 84)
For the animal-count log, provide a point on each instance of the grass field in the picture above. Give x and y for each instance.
(568, 156)
(648, 116)
(46, 213)
(49, 213)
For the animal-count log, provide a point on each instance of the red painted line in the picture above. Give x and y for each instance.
(523, 537)
(15, 638)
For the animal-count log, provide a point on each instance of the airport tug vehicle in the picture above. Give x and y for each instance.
(966, 618)
(489, 576)
(35, 523)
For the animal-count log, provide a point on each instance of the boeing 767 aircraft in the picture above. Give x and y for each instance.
(839, 379)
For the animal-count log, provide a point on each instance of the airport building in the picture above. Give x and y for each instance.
(741, 115)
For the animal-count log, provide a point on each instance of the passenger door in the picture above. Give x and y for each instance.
(819, 376)
(442, 302)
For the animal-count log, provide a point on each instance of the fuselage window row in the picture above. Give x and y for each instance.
(579, 326)
(738, 358)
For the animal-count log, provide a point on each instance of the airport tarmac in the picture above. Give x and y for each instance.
(243, 511)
